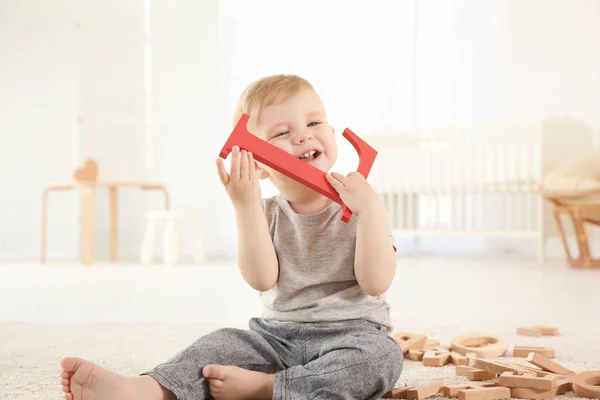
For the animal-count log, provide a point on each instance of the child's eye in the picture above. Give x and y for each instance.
(314, 123)
(281, 133)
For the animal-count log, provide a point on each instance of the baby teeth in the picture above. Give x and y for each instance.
(308, 154)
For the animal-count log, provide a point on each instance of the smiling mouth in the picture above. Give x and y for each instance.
(310, 155)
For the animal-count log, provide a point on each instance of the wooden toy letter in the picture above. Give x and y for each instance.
(295, 168)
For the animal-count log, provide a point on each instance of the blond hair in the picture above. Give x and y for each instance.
(268, 91)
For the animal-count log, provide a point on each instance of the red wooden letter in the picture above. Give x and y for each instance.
(293, 167)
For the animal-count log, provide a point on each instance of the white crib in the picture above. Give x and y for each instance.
(473, 182)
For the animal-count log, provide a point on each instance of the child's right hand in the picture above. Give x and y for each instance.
(241, 183)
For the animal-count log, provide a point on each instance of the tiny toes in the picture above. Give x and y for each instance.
(213, 371)
(215, 383)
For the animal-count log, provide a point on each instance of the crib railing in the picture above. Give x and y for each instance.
(444, 163)
(481, 181)
(452, 185)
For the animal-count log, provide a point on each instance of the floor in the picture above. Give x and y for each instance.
(129, 318)
(440, 290)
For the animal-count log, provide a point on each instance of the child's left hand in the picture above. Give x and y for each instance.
(355, 191)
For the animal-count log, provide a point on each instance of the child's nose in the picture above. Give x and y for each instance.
(303, 137)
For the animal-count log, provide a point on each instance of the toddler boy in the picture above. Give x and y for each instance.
(325, 327)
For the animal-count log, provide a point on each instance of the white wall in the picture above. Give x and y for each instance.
(39, 133)
(507, 61)
(190, 121)
(72, 87)
(112, 109)
(554, 55)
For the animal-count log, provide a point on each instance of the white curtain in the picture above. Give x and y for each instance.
(343, 48)
(362, 57)
(397, 66)
(461, 58)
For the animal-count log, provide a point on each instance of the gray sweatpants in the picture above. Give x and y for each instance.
(326, 360)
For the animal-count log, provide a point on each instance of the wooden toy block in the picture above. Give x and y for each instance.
(529, 331)
(489, 393)
(548, 330)
(526, 368)
(523, 351)
(410, 341)
(452, 390)
(431, 343)
(587, 384)
(515, 380)
(441, 348)
(424, 391)
(397, 393)
(483, 346)
(458, 359)
(471, 359)
(463, 369)
(564, 385)
(524, 393)
(480, 375)
(548, 365)
(292, 166)
(494, 367)
(415, 354)
(436, 358)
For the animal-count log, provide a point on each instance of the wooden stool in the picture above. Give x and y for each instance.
(583, 207)
(171, 244)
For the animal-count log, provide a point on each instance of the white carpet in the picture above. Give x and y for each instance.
(30, 353)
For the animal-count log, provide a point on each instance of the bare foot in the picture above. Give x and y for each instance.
(233, 383)
(84, 380)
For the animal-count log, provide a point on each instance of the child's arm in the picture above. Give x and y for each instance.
(374, 256)
(256, 254)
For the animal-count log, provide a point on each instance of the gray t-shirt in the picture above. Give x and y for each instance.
(316, 268)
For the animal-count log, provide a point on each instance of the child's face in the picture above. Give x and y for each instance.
(300, 128)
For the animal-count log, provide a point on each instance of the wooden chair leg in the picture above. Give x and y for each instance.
(585, 259)
(582, 240)
(563, 236)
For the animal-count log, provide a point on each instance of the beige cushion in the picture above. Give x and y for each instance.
(580, 176)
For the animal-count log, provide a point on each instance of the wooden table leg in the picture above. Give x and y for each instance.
(86, 225)
(114, 223)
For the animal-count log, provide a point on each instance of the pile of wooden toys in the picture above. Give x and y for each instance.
(541, 378)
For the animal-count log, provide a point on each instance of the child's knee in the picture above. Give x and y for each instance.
(396, 364)
(387, 367)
